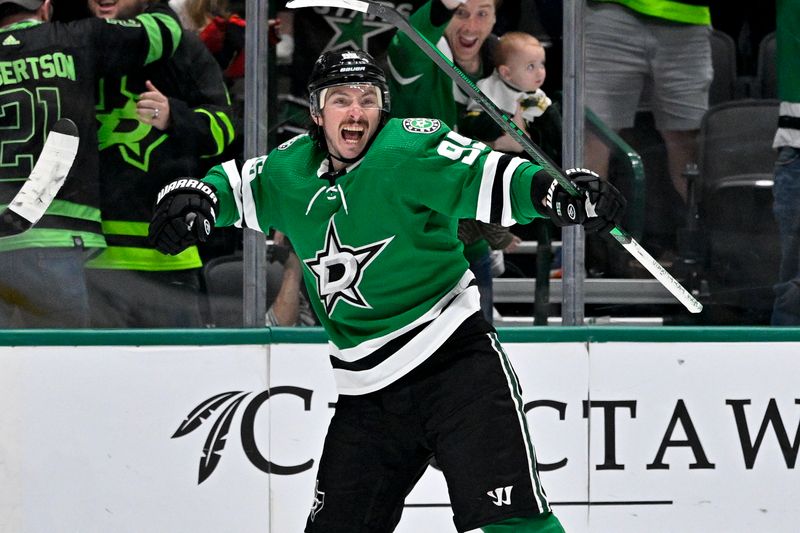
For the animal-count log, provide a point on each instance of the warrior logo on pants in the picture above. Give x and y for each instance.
(319, 501)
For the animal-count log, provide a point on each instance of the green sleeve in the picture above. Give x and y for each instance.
(521, 197)
(406, 56)
(228, 211)
(243, 193)
(465, 171)
(413, 74)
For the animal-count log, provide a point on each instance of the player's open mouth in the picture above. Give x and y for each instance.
(353, 133)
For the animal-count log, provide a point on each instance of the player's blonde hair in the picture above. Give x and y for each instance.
(510, 42)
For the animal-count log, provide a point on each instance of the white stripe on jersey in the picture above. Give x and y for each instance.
(516, 395)
(250, 169)
(368, 347)
(442, 324)
(484, 209)
(507, 217)
(235, 181)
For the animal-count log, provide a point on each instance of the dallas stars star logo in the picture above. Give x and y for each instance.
(122, 128)
(354, 32)
(339, 269)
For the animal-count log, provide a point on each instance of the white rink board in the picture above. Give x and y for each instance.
(714, 383)
(86, 442)
(645, 379)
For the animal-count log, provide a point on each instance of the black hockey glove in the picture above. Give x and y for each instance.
(599, 208)
(184, 214)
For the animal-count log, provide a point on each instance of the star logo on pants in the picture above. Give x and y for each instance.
(339, 269)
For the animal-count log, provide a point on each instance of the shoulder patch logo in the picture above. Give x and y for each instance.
(421, 125)
(286, 144)
(11, 41)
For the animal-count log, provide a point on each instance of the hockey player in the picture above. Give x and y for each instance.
(49, 71)
(371, 207)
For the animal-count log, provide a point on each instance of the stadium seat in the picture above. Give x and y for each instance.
(723, 58)
(735, 209)
(736, 138)
(766, 69)
(224, 288)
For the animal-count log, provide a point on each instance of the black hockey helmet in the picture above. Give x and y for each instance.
(341, 67)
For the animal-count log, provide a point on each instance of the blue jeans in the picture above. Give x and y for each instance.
(43, 288)
(786, 207)
(482, 269)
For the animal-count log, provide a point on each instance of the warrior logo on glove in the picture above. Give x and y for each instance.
(187, 183)
(184, 214)
(571, 213)
(599, 207)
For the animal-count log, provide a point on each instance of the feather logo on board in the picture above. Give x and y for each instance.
(222, 409)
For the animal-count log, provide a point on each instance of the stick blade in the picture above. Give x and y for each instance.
(48, 175)
(658, 271)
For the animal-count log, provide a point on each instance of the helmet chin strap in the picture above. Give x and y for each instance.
(348, 160)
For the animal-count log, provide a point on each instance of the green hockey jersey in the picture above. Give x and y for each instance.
(382, 261)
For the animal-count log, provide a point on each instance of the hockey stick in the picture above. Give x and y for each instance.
(392, 16)
(46, 179)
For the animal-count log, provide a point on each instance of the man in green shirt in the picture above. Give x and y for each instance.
(463, 32)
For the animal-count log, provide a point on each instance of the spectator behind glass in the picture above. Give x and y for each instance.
(42, 280)
(168, 120)
(222, 30)
(515, 87)
(786, 190)
(656, 53)
(462, 31)
(289, 305)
